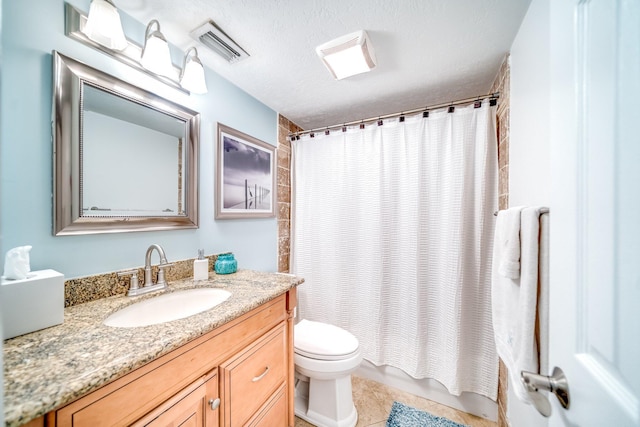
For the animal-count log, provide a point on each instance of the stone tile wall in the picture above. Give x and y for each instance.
(501, 84)
(284, 191)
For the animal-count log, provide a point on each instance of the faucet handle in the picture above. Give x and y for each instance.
(134, 278)
(161, 267)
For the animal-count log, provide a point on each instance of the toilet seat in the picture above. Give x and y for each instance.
(324, 356)
(321, 341)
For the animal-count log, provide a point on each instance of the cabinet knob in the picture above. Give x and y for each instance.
(214, 403)
(259, 377)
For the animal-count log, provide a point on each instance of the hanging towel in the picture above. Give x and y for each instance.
(508, 238)
(514, 303)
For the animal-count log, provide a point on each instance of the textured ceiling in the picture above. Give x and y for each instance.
(428, 51)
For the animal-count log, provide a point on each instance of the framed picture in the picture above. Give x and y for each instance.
(246, 176)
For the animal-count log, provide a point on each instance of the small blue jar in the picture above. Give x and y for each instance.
(226, 264)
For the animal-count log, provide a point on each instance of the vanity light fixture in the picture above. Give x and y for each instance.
(152, 58)
(103, 25)
(348, 55)
(192, 74)
(155, 52)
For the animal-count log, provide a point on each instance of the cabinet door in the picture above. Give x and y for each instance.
(188, 412)
(193, 407)
(212, 402)
(251, 377)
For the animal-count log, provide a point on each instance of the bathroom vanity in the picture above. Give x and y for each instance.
(229, 366)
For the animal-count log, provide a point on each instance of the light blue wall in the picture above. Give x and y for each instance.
(31, 29)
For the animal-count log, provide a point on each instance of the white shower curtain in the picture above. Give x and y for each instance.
(393, 233)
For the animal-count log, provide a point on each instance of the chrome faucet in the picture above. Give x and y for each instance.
(148, 280)
(148, 285)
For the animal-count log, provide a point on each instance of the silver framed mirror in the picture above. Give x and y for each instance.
(125, 159)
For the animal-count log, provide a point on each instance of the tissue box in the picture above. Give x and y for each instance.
(31, 304)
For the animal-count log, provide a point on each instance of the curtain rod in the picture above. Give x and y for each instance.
(493, 97)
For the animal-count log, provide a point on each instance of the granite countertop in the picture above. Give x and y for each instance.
(46, 369)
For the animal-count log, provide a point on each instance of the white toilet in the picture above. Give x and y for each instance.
(325, 356)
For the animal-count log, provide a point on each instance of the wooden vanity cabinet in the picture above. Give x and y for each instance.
(246, 363)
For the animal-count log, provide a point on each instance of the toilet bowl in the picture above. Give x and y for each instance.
(324, 358)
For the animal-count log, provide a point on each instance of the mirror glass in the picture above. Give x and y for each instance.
(147, 180)
(125, 159)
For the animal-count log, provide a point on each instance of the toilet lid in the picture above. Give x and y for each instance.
(323, 341)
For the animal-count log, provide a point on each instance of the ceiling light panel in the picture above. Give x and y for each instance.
(348, 55)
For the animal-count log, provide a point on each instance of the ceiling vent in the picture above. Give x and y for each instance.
(215, 39)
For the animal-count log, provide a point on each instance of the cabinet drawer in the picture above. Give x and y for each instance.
(274, 412)
(254, 375)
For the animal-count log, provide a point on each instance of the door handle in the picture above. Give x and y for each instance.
(556, 383)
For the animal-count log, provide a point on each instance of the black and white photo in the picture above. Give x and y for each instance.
(245, 176)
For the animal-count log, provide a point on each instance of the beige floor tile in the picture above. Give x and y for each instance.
(302, 423)
(475, 421)
(371, 409)
(373, 402)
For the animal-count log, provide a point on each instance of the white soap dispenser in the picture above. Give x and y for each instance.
(201, 267)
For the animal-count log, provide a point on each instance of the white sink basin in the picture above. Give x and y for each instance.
(167, 307)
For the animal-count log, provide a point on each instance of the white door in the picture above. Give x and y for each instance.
(595, 210)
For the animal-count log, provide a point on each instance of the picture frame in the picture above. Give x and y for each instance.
(245, 176)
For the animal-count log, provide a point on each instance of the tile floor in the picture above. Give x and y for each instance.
(373, 402)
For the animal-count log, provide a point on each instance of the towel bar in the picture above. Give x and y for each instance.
(542, 211)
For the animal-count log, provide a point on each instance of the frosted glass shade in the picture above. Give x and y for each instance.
(155, 53)
(347, 63)
(348, 55)
(103, 25)
(192, 78)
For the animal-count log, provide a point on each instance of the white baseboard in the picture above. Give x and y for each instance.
(471, 403)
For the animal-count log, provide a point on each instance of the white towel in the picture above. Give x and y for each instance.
(508, 238)
(514, 304)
